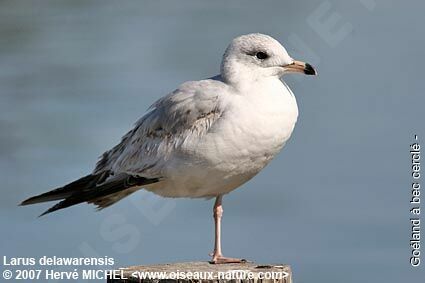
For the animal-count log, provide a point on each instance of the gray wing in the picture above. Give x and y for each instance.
(188, 112)
(137, 161)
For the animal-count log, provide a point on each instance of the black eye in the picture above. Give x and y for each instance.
(261, 55)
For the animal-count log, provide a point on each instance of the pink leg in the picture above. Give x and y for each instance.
(217, 256)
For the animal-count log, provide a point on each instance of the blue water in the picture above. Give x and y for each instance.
(75, 75)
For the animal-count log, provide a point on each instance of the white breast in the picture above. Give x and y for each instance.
(254, 128)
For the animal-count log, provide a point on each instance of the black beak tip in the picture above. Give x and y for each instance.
(309, 70)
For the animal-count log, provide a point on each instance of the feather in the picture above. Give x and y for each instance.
(67, 190)
(87, 189)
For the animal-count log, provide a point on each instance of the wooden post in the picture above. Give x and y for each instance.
(204, 272)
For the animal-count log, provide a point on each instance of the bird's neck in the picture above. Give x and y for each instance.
(235, 74)
(242, 77)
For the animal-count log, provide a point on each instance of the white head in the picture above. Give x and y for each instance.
(256, 56)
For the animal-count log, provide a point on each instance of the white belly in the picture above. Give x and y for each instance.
(256, 128)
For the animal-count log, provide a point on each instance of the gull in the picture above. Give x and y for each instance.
(203, 140)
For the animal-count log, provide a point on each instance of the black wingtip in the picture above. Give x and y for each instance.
(49, 196)
(26, 202)
(58, 206)
(89, 193)
(65, 191)
(45, 213)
